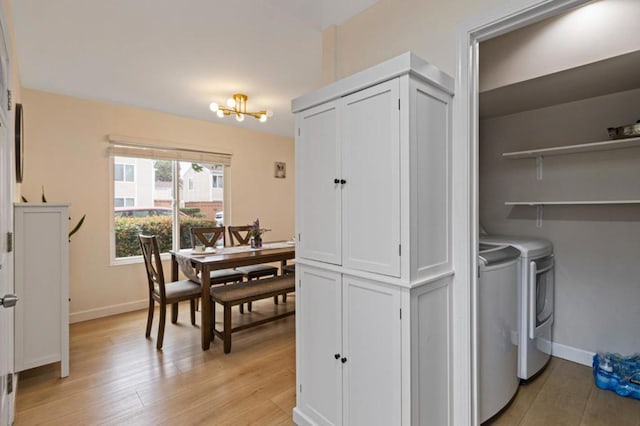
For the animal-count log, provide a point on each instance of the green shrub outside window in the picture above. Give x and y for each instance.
(128, 228)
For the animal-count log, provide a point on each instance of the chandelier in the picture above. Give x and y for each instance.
(237, 105)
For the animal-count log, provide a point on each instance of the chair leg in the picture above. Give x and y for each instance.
(163, 317)
(284, 298)
(241, 308)
(227, 328)
(193, 311)
(150, 317)
(213, 320)
(174, 313)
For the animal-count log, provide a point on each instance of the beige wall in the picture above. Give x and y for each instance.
(65, 152)
(16, 89)
(430, 28)
(391, 27)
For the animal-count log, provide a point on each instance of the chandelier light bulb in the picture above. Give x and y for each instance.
(237, 106)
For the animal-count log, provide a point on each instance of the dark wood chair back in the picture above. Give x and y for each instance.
(153, 264)
(240, 235)
(165, 293)
(208, 236)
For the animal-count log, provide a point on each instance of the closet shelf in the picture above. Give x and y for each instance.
(569, 203)
(572, 149)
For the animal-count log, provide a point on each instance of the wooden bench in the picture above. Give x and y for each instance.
(236, 294)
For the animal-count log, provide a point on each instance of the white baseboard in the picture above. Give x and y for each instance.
(569, 353)
(107, 311)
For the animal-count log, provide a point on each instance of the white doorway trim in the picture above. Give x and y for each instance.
(509, 17)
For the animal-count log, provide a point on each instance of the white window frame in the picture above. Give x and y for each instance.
(125, 146)
(124, 172)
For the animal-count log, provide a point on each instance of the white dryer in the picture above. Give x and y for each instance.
(497, 327)
(536, 300)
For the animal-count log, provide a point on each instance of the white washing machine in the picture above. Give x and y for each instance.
(497, 327)
(536, 300)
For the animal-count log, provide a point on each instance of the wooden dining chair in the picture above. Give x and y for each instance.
(287, 270)
(209, 236)
(164, 293)
(241, 236)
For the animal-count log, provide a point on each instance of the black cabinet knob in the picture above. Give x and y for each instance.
(337, 356)
(336, 180)
(344, 360)
(342, 181)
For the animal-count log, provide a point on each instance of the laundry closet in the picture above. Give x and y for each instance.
(548, 168)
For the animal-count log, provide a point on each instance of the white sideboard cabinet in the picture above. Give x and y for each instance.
(42, 284)
(373, 255)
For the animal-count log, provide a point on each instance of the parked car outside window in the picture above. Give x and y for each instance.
(220, 218)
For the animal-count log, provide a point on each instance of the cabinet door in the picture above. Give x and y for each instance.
(370, 166)
(371, 346)
(42, 283)
(318, 197)
(318, 333)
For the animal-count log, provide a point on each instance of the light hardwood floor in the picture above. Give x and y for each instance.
(565, 394)
(118, 378)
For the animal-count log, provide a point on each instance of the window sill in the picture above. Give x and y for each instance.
(121, 261)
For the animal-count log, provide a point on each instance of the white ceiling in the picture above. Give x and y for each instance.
(178, 57)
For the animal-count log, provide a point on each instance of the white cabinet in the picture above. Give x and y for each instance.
(371, 329)
(318, 195)
(373, 172)
(373, 190)
(350, 188)
(319, 340)
(350, 343)
(370, 167)
(42, 284)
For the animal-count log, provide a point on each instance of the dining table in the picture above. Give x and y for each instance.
(223, 258)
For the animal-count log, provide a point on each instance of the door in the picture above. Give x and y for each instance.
(318, 332)
(370, 141)
(6, 281)
(318, 188)
(371, 353)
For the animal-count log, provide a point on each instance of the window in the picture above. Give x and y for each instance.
(124, 202)
(217, 181)
(149, 204)
(124, 173)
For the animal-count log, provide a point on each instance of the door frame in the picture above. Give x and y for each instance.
(7, 169)
(465, 217)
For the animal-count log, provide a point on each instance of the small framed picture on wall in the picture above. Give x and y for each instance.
(280, 170)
